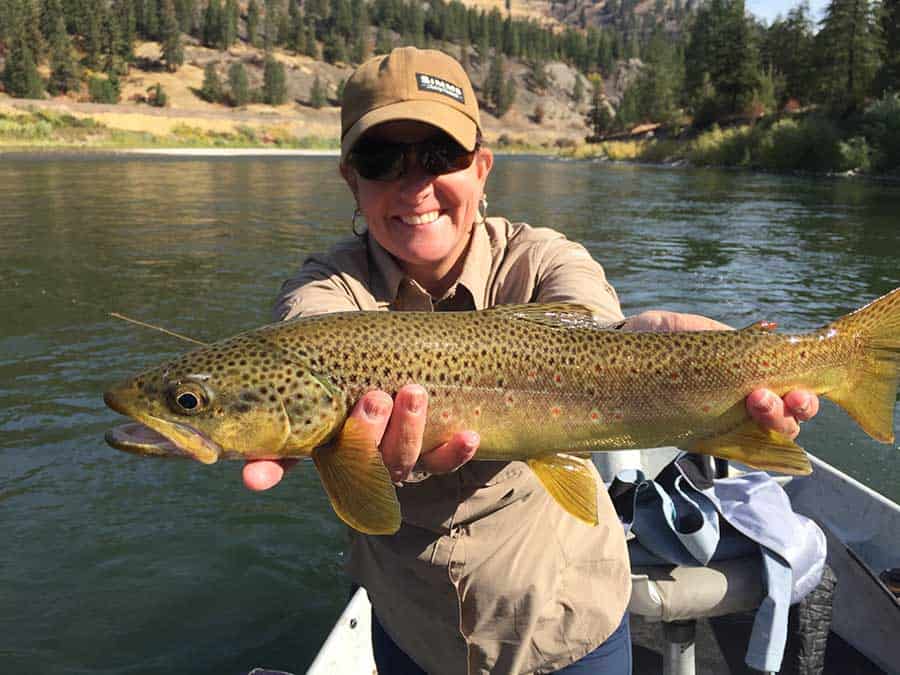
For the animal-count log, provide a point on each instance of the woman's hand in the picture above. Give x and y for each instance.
(768, 409)
(397, 426)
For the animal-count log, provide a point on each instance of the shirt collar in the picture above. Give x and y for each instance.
(387, 277)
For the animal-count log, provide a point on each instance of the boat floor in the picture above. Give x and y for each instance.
(720, 645)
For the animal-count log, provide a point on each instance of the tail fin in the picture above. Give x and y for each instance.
(870, 388)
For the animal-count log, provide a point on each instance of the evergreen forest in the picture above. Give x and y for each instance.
(698, 64)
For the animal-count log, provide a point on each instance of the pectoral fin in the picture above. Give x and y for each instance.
(357, 483)
(571, 483)
(754, 446)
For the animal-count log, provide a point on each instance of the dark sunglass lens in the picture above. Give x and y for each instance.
(378, 161)
(444, 155)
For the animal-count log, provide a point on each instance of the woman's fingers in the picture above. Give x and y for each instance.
(802, 404)
(402, 442)
(452, 454)
(782, 415)
(262, 474)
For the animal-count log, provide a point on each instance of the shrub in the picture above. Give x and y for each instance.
(103, 89)
(157, 96)
(881, 127)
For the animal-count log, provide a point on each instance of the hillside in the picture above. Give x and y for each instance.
(562, 121)
(313, 40)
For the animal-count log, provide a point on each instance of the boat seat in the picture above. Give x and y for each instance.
(678, 593)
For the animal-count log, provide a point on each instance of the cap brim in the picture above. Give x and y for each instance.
(450, 120)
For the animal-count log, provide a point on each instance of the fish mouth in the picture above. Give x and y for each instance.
(151, 435)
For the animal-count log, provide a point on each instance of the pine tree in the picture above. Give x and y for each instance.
(212, 25)
(889, 76)
(212, 85)
(507, 96)
(578, 90)
(333, 48)
(342, 17)
(298, 39)
(186, 10)
(92, 41)
(383, 42)
(229, 23)
(312, 47)
(113, 49)
(848, 46)
(722, 52)
(598, 117)
(150, 20)
(788, 51)
(317, 94)
(274, 82)
(172, 50)
(124, 14)
(239, 86)
(51, 11)
(157, 95)
(63, 70)
(20, 75)
(270, 25)
(36, 41)
(253, 23)
(493, 83)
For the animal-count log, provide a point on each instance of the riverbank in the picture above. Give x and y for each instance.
(869, 145)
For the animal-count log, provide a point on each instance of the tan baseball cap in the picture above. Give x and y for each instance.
(424, 85)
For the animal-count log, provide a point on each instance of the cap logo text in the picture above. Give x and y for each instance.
(438, 86)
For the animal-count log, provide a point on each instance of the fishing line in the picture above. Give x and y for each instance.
(121, 317)
(117, 315)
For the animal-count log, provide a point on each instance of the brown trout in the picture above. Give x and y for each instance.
(539, 383)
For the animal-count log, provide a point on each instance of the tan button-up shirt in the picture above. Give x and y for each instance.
(487, 574)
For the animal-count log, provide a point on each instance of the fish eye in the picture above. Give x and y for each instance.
(188, 398)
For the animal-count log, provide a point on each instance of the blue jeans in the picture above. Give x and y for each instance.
(613, 657)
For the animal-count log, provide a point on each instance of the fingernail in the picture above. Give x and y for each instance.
(472, 441)
(765, 404)
(800, 409)
(374, 408)
(416, 402)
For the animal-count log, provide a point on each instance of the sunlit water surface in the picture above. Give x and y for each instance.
(117, 564)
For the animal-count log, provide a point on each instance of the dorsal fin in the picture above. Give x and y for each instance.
(553, 314)
(764, 326)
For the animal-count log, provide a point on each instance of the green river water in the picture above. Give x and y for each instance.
(111, 563)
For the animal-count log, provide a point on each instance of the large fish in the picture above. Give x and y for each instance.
(540, 383)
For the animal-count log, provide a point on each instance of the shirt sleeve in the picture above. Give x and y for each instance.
(568, 273)
(317, 288)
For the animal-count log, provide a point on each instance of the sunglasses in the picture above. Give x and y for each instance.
(385, 161)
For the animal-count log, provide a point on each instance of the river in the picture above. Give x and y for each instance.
(118, 564)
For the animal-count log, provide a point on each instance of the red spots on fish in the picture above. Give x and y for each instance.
(509, 400)
(477, 412)
(705, 408)
(445, 415)
(532, 375)
(557, 378)
(618, 416)
(595, 416)
(556, 411)
(674, 377)
(765, 364)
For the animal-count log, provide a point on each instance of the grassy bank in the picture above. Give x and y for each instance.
(868, 143)
(44, 129)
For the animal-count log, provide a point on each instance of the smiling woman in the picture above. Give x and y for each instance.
(486, 573)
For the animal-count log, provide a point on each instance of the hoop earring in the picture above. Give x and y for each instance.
(482, 208)
(358, 225)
